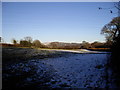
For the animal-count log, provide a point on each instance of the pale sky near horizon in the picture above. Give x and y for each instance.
(55, 21)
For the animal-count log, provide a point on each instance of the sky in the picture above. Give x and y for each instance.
(60, 0)
(55, 21)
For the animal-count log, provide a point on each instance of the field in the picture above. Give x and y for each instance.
(42, 68)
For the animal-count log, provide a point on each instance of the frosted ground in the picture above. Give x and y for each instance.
(78, 69)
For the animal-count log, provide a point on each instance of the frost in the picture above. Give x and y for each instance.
(70, 71)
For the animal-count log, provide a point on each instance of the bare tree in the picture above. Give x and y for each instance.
(115, 6)
(28, 38)
(112, 29)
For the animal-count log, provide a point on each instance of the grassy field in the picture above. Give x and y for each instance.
(35, 67)
(11, 54)
(18, 54)
(13, 57)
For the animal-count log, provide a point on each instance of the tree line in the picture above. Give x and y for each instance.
(29, 42)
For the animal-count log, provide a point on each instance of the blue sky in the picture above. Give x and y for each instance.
(55, 21)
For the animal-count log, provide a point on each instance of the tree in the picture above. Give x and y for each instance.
(115, 58)
(14, 41)
(85, 45)
(37, 43)
(24, 43)
(112, 30)
(54, 44)
(0, 39)
(28, 38)
(112, 33)
(97, 44)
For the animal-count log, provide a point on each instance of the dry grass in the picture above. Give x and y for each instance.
(100, 49)
(15, 54)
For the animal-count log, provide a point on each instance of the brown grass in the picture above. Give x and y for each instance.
(100, 49)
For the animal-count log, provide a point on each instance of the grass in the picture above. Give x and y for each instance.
(16, 54)
(15, 60)
(99, 49)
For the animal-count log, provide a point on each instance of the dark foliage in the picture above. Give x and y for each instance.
(115, 59)
(25, 43)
